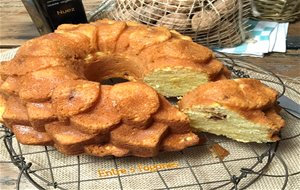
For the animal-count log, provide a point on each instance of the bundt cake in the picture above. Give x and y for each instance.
(241, 109)
(53, 96)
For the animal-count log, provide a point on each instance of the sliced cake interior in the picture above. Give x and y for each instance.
(169, 81)
(244, 126)
(241, 109)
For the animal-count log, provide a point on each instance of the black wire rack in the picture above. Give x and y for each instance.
(192, 168)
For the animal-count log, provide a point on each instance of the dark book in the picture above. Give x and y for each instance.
(49, 14)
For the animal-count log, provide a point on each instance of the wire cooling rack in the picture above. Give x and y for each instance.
(261, 166)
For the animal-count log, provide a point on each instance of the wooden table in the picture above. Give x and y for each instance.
(16, 27)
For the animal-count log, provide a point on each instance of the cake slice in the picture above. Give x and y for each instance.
(169, 62)
(241, 109)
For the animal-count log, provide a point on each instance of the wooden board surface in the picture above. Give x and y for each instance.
(16, 25)
(283, 64)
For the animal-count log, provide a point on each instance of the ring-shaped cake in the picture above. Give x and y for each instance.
(53, 94)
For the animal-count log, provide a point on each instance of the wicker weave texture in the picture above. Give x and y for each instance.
(214, 23)
(277, 10)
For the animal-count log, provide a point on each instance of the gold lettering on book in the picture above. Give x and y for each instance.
(61, 12)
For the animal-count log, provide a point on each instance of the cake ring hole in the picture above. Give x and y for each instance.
(113, 81)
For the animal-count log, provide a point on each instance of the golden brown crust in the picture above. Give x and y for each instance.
(136, 38)
(23, 65)
(39, 85)
(15, 112)
(218, 151)
(1, 80)
(27, 135)
(40, 114)
(70, 42)
(245, 94)
(169, 115)
(70, 140)
(180, 49)
(69, 150)
(52, 45)
(2, 107)
(272, 114)
(105, 150)
(78, 33)
(135, 102)
(177, 142)
(142, 143)
(222, 75)
(108, 34)
(10, 86)
(102, 118)
(74, 96)
(177, 53)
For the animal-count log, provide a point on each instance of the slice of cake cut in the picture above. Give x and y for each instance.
(241, 109)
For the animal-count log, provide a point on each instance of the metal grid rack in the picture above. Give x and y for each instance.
(193, 168)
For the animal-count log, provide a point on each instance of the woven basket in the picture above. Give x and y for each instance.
(277, 10)
(214, 23)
